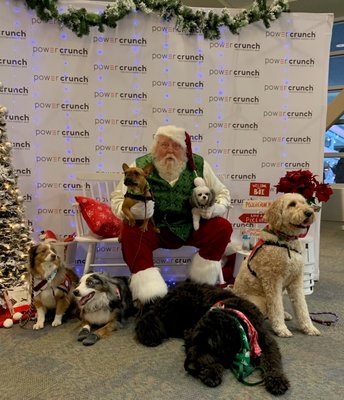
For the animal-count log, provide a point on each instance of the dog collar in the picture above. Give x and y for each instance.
(283, 236)
(241, 365)
(137, 196)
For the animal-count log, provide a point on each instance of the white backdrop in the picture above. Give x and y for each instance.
(254, 104)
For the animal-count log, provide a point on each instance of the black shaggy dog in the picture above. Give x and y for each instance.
(212, 338)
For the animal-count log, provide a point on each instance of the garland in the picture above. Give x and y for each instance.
(188, 21)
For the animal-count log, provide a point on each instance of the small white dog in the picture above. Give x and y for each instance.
(202, 198)
(277, 264)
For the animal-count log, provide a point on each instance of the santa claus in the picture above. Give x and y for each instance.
(172, 181)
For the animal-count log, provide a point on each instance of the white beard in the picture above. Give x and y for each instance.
(170, 168)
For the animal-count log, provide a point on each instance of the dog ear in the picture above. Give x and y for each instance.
(273, 214)
(125, 166)
(32, 255)
(211, 200)
(193, 199)
(148, 169)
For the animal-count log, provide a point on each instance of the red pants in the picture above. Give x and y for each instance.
(211, 239)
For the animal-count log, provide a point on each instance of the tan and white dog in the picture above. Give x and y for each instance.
(277, 263)
(51, 283)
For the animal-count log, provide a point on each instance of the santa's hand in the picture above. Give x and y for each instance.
(142, 210)
(219, 210)
(216, 210)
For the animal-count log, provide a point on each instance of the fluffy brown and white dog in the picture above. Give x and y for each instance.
(52, 284)
(103, 302)
(277, 263)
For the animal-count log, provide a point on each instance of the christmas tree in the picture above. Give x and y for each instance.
(15, 238)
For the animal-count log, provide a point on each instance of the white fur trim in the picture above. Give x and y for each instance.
(172, 132)
(147, 285)
(204, 271)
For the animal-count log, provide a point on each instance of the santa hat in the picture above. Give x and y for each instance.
(173, 132)
(47, 236)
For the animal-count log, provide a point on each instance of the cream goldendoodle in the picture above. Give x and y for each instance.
(277, 264)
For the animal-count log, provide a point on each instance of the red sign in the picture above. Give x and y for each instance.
(253, 218)
(259, 189)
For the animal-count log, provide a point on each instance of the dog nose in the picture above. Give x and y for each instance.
(308, 213)
(76, 292)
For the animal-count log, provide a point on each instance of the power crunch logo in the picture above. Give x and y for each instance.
(64, 79)
(66, 212)
(285, 165)
(191, 58)
(234, 152)
(198, 85)
(62, 51)
(238, 177)
(195, 112)
(288, 114)
(287, 139)
(292, 35)
(14, 91)
(235, 73)
(123, 69)
(236, 126)
(84, 107)
(239, 100)
(291, 62)
(59, 186)
(221, 44)
(73, 134)
(121, 149)
(124, 123)
(64, 160)
(141, 42)
(4, 34)
(289, 88)
(127, 96)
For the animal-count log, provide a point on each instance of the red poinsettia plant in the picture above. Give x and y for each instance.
(305, 183)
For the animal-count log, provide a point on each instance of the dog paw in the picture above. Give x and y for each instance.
(311, 331)
(38, 325)
(56, 323)
(83, 334)
(90, 339)
(276, 385)
(287, 316)
(210, 377)
(282, 332)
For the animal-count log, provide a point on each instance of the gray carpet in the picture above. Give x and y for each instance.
(50, 364)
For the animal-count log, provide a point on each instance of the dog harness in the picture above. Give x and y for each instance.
(140, 196)
(262, 242)
(42, 284)
(241, 366)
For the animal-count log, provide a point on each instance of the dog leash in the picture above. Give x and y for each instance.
(29, 313)
(327, 322)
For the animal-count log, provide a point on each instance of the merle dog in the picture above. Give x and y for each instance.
(211, 338)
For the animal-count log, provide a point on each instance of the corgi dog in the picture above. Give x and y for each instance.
(51, 284)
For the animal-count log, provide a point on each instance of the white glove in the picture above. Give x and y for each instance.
(142, 210)
(216, 210)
